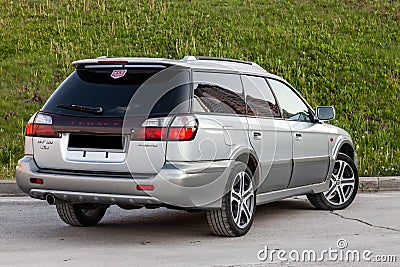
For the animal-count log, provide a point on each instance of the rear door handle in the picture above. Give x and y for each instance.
(256, 135)
(298, 136)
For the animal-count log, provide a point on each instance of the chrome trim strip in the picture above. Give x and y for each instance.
(200, 166)
(277, 162)
(310, 159)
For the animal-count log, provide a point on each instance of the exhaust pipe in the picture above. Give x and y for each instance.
(51, 199)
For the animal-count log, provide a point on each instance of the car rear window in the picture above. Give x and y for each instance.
(98, 88)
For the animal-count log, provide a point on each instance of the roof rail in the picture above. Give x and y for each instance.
(187, 58)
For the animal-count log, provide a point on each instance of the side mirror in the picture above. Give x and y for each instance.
(325, 113)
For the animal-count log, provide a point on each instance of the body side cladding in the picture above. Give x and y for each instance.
(290, 192)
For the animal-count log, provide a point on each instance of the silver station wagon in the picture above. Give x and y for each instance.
(210, 134)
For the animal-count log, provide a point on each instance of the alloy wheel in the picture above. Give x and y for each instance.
(242, 199)
(342, 183)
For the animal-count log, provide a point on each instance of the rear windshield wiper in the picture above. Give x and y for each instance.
(93, 110)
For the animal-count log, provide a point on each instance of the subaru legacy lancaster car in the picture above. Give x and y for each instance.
(210, 134)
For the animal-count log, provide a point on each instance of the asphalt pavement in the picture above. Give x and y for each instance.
(31, 234)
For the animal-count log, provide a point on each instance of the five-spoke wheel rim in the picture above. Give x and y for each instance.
(242, 199)
(342, 183)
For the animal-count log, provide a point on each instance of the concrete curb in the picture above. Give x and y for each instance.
(367, 184)
(373, 184)
(9, 187)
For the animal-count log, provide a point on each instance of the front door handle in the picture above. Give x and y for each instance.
(298, 136)
(256, 135)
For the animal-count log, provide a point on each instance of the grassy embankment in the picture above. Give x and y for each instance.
(341, 53)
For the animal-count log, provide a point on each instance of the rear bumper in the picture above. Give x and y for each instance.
(182, 184)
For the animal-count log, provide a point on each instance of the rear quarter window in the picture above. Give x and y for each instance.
(218, 93)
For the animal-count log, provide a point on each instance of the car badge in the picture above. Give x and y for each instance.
(118, 74)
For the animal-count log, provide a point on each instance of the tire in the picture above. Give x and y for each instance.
(238, 205)
(81, 214)
(343, 186)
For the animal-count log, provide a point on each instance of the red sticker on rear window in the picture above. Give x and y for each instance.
(118, 73)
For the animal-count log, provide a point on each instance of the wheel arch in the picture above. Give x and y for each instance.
(345, 146)
(347, 149)
(249, 157)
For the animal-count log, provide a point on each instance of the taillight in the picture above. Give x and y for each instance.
(29, 129)
(180, 133)
(183, 128)
(40, 125)
(179, 128)
(151, 133)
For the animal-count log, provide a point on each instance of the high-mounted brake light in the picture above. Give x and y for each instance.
(40, 125)
(179, 128)
(113, 62)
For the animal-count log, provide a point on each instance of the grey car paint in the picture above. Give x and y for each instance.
(189, 174)
(310, 153)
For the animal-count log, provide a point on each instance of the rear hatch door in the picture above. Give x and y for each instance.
(95, 113)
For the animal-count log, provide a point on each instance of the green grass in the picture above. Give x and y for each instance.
(340, 53)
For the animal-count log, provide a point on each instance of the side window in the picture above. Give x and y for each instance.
(292, 106)
(218, 93)
(259, 98)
